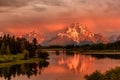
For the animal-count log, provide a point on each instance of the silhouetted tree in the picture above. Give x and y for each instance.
(8, 50)
(3, 49)
(26, 54)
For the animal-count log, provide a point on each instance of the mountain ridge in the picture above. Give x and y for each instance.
(77, 34)
(31, 35)
(73, 34)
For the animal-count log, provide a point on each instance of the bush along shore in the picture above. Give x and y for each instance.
(14, 49)
(113, 74)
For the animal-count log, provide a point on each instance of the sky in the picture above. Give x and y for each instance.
(50, 16)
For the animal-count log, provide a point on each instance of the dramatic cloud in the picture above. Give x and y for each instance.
(13, 3)
(53, 2)
(47, 16)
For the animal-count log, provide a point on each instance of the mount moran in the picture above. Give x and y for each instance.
(76, 34)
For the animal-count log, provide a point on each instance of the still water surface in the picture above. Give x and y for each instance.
(62, 65)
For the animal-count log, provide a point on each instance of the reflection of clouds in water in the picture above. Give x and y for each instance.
(77, 63)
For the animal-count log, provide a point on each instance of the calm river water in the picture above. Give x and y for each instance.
(62, 65)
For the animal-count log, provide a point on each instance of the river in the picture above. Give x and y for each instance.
(62, 65)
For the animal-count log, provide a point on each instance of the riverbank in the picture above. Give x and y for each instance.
(11, 58)
(79, 50)
(16, 59)
(18, 62)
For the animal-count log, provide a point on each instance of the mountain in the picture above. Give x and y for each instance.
(114, 38)
(77, 35)
(31, 35)
(1, 34)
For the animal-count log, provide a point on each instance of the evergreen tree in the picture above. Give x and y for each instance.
(26, 54)
(23, 43)
(8, 50)
(34, 42)
(3, 49)
(33, 47)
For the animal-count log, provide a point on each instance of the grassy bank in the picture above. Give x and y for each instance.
(16, 59)
(11, 58)
(31, 60)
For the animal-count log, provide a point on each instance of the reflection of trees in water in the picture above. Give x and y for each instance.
(69, 52)
(27, 69)
(57, 52)
(101, 56)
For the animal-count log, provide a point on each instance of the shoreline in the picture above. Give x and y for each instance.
(62, 49)
(31, 60)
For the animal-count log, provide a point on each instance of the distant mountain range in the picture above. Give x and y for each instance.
(74, 34)
(114, 38)
(78, 35)
(31, 35)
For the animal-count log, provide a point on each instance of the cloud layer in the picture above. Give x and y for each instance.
(51, 15)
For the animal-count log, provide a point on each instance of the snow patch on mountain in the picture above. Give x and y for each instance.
(77, 34)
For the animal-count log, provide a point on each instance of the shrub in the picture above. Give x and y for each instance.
(26, 54)
(95, 76)
(113, 74)
(42, 55)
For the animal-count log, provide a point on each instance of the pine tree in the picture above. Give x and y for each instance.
(3, 48)
(26, 54)
(8, 50)
(33, 47)
(34, 42)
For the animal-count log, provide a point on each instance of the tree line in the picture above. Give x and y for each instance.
(15, 45)
(99, 46)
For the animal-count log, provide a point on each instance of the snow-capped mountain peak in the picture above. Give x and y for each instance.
(31, 35)
(1, 34)
(79, 28)
(78, 35)
(77, 32)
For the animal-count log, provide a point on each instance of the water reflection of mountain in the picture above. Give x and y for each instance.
(77, 62)
(27, 69)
